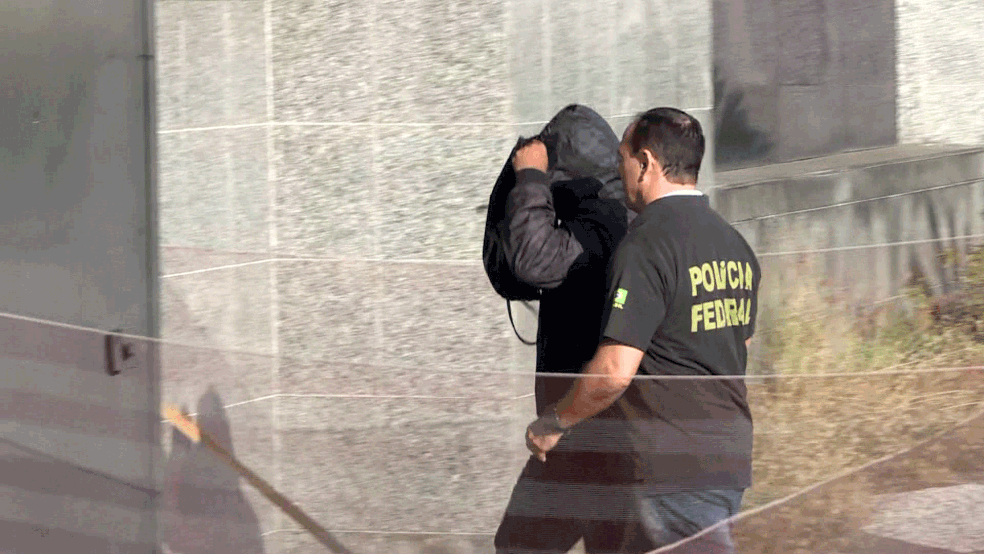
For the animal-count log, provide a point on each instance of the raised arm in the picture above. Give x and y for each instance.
(539, 251)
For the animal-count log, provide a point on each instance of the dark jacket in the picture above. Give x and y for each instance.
(562, 229)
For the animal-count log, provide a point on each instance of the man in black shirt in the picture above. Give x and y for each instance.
(682, 302)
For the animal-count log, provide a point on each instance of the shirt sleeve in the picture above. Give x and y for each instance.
(636, 300)
(539, 252)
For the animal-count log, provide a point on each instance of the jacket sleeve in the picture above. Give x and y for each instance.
(538, 251)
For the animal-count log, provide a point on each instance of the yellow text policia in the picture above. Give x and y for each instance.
(720, 276)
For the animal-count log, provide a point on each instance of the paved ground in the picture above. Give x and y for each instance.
(928, 501)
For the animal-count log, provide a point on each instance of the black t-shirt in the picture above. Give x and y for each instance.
(683, 289)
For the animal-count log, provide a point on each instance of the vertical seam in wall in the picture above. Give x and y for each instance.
(153, 314)
(507, 52)
(227, 52)
(666, 22)
(547, 57)
(273, 242)
(374, 151)
(183, 66)
(612, 60)
(897, 28)
(582, 78)
(224, 135)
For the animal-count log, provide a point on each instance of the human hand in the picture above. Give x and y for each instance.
(532, 155)
(542, 437)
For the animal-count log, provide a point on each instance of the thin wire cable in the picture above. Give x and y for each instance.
(856, 202)
(437, 371)
(786, 499)
(867, 246)
(398, 532)
(317, 259)
(474, 263)
(740, 516)
(730, 521)
(364, 397)
(366, 124)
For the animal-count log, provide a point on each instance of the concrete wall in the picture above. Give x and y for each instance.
(870, 221)
(321, 166)
(803, 78)
(940, 66)
(875, 218)
(78, 247)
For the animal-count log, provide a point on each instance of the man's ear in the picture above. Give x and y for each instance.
(649, 164)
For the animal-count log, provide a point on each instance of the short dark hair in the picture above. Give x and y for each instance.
(674, 137)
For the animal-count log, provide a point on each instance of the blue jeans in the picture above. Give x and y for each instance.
(665, 518)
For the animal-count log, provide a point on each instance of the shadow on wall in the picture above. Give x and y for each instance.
(203, 507)
(737, 142)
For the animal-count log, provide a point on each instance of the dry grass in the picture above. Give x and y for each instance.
(811, 428)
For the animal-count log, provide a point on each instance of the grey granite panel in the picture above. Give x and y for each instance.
(328, 310)
(213, 189)
(441, 62)
(325, 194)
(818, 47)
(204, 503)
(182, 260)
(747, 121)
(868, 62)
(443, 316)
(804, 43)
(248, 189)
(293, 539)
(173, 188)
(227, 308)
(952, 52)
(189, 374)
(397, 43)
(171, 101)
(810, 120)
(430, 182)
(341, 414)
(399, 465)
(246, 62)
(224, 63)
(599, 54)
(528, 61)
(205, 63)
(646, 70)
(327, 377)
(213, 383)
(322, 64)
(465, 72)
(355, 380)
(565, 28)
(865, 19)
(866, 43)
(948, 114)
(332, 476)
(938, 82)
(744, 41)
(869, 115)
(694, 56)
(706, 118)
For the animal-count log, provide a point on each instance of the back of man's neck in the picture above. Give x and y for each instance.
(673, 189)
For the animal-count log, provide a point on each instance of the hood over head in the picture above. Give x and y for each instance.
(580, 143)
